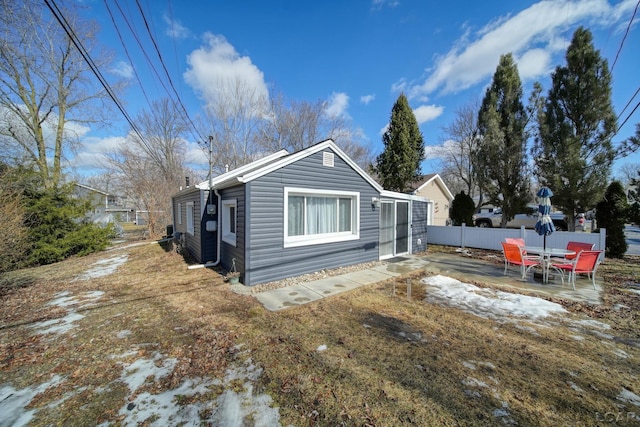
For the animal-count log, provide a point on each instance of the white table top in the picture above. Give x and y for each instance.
(549, 251)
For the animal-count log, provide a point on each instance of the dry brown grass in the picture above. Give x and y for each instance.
(388, 361)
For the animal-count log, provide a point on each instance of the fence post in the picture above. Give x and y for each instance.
(522, 232)
(462, 235)
(602, 244)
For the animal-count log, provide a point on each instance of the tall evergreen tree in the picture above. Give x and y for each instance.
(399, 164)
(502, 153)
(573, 153)
(611, 214)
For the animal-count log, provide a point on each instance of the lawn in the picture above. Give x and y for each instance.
(133, 337)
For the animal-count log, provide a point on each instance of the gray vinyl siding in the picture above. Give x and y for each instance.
(193, 242)
(268, 259)
(418, 226)
(229, 251)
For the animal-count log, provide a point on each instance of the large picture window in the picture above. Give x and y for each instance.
(313, 216)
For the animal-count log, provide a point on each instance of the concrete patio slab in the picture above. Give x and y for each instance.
(365, 277)
(458, 266)
(332, 285)
(278, 299)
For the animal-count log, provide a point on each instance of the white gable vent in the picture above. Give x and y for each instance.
(327, 159)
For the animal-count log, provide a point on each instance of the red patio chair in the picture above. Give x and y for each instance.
(516, 241)
(513, 254)
(577, 247)
(585, 262)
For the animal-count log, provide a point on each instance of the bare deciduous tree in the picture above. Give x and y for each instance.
(458, 167)
(295, 125)
(151, 168)
(235, 113)
(46, 92)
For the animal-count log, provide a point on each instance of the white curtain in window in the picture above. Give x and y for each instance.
(321, 215)
(344, 214)
(295, 216)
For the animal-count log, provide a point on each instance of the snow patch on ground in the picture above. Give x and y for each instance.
(104, 267)
(123, 334)
(70, 303)
(13, 402)
(235, 406)
(488, 303)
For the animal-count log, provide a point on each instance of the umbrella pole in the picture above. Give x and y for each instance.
(544, 242)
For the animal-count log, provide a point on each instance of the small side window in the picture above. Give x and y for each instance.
(229, 221)
(190, 228)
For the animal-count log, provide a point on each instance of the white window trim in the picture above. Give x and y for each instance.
(307, 240)
(180, 213)
(190, 222)
(227, 235)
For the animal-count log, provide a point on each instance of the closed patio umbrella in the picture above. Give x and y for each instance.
(544, 225)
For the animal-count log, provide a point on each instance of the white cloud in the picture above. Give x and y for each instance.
(122, 69)
(399, 86)
(337, 105)
(196, 156)
(432, 152)
(535, 36)
(175, 28)
(366, 99)
(216, 67)
(379, 4)
(95, 150)
(426, 113)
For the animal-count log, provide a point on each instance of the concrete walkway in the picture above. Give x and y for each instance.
(458, 266)
(278, 299)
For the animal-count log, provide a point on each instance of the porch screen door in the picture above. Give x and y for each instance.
(402, 227)
(387, 229)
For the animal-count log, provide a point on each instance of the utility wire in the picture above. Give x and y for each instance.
(630, 114)
(155, 45)
(628, 103)
(126, 51)
(625, 35)
(57, 13)
(144, 52)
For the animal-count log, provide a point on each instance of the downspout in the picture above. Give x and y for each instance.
(219, 237)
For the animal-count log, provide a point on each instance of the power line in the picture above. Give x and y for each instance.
(57, 13)
(628, 103)
(625, 35)
(630, 114)
(164, 67)
(126, 51)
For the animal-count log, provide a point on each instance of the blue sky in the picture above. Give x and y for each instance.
(356, 55)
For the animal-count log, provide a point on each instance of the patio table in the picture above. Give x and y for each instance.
(545, 257)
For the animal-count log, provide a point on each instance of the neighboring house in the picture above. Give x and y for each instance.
(433, 188)
(104, 203)
(291, 214)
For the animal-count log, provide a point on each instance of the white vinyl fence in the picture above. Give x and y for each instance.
(490, 238)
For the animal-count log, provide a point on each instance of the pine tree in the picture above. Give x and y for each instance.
(574, 153)
(399, 164)
(611, 214)
(502, 154)
(462, 209)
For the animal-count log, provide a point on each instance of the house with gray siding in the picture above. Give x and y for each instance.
(291, 214)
